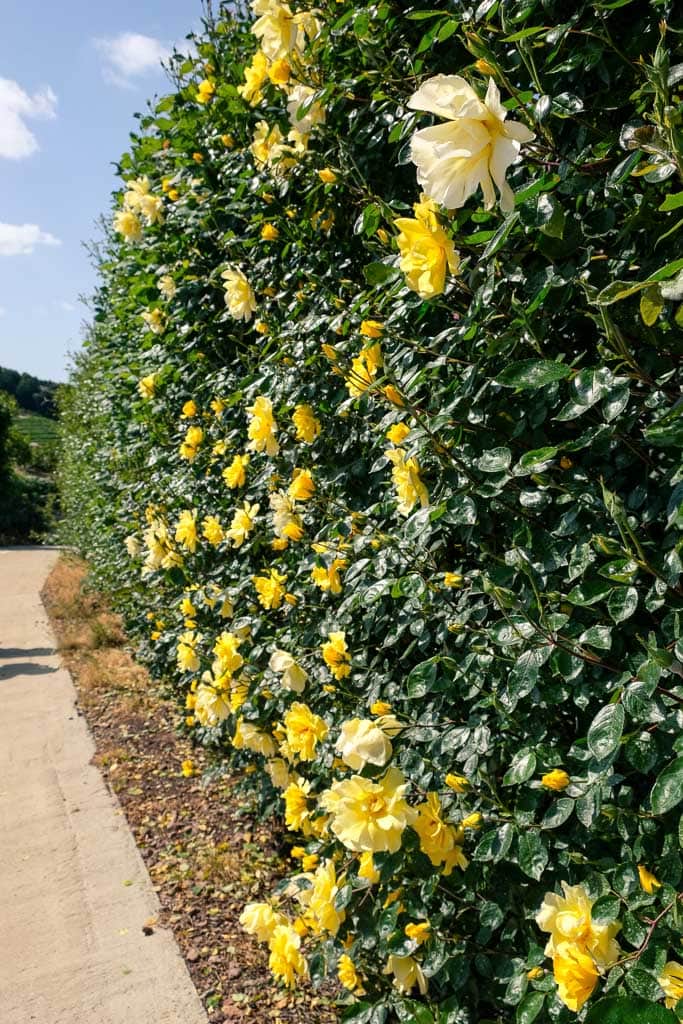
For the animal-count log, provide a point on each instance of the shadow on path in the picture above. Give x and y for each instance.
(26, 652)
(24, 668)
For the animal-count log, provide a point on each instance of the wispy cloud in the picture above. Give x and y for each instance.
(21, 239)
(16, 107)
(68, 307)
(129, 56)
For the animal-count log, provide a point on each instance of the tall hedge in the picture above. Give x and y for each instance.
(386, 478)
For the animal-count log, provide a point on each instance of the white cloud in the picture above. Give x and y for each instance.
(21, 239)
(16, 106)
(130, 55)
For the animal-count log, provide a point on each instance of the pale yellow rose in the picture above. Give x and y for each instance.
(293, 676)
(239, 295)
(361, 742)
(472, 150)
(407, 973)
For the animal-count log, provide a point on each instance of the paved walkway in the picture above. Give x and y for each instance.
(74, 892)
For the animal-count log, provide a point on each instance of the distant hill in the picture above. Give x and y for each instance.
(31, 393)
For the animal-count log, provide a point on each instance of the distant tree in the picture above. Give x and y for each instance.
(32, 393)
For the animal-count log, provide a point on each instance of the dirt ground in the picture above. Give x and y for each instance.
(206, 851)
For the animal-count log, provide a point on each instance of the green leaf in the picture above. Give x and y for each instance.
(672, 202)
(379, 273)
(558, 812)
(668, 788)
(365, 1013)
(605, 730)
(501, 234)
(495, 461)
(533, 373)
(495, 844)
(597, 636)
(530, 1007)
(651, 305)
(643, 984)
(522, 768)
(629, 1010)
(606, 909)
(622, 603)
(422, 678)
(532, 854)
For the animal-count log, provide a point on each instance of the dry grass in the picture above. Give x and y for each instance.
(90, 637)
(206, 849)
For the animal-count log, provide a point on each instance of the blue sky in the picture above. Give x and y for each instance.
(72, 74)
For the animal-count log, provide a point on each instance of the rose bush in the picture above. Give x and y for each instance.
(376, 443)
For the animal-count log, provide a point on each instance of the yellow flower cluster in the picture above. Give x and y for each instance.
(139, 207)
(580, 948)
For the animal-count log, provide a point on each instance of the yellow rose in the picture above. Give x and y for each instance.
(367, 869)
(297, 812)
(336, 655)
(147, 386)
(279, 72)
(293, 676)
(249, 737)
(128, 225)
(407, 973)
(568, 919)
(304, 730)
(239, 295)
(211, 708)
(397, 433)
(286, 962)
(260, 920)
(418, 932)
(371, 328)
(307, 426)
(322, 914)
(557, 779)
(235, 474)
(472, 150)
(304, 112)
(186, 530)
(369, 815)
(440, 841)
(212, 530)
(255, 74)
(361, 742)
(458, 783)
(576, 975)
(671, 981)
(409, 486)
(205, 91)
(226, 649)
(327, 176)
(647, 880)
(269, 233)
(262, 428)
(427, 253)
(242, 524)
(302, 486)
(270, 588)
(348, 975)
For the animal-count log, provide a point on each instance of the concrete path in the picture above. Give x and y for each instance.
(74, 892)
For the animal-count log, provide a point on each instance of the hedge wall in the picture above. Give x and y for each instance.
(376, 441)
